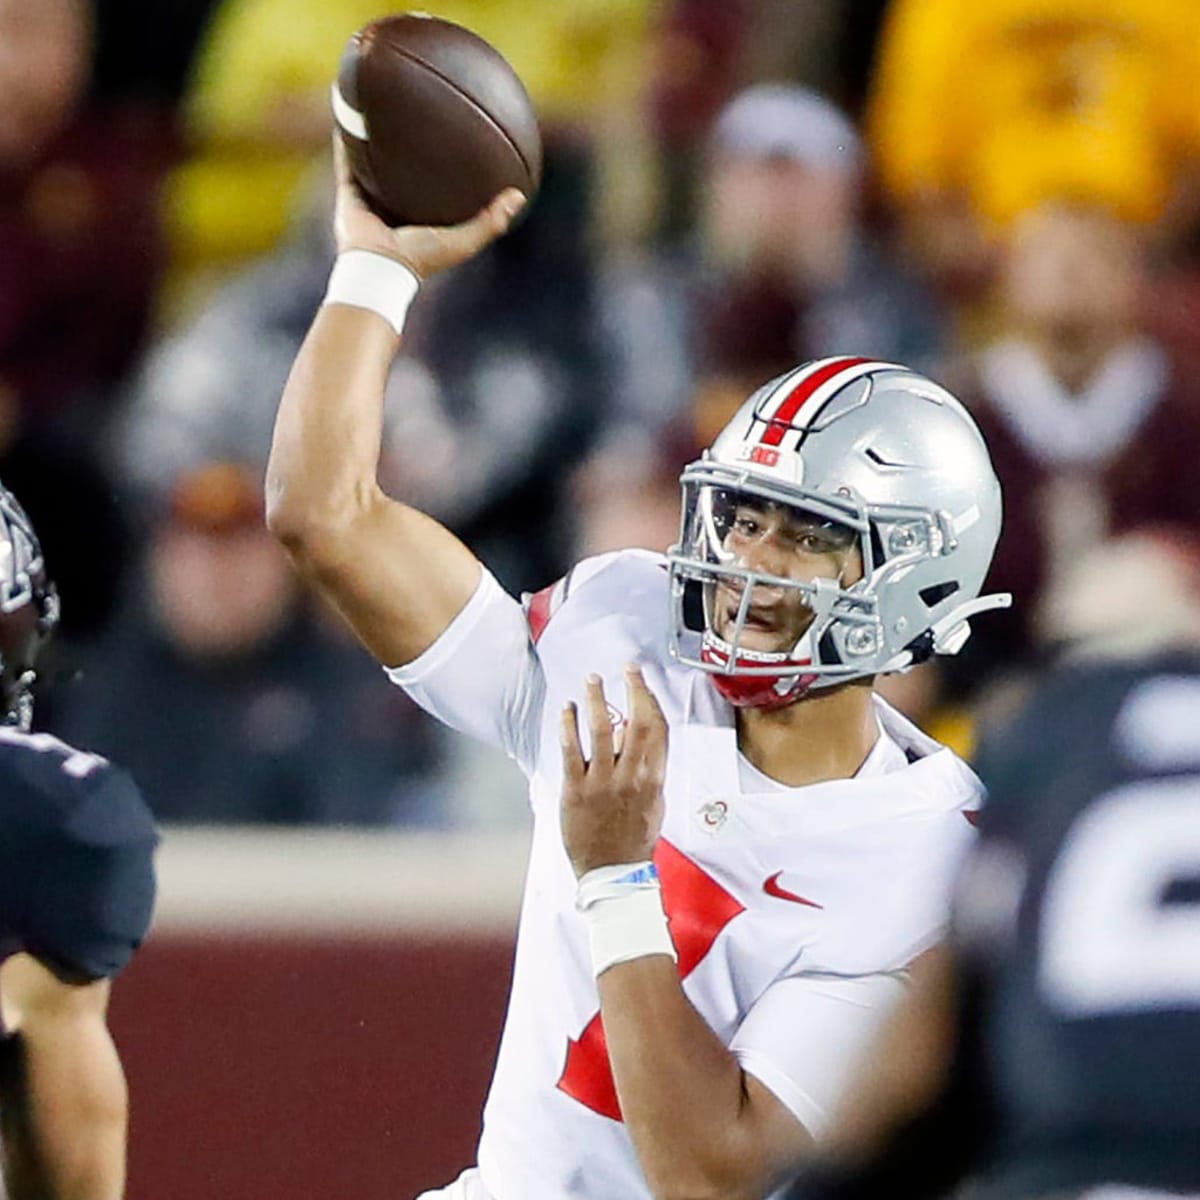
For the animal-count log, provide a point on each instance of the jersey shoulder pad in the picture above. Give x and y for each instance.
(77, 845)
(602, 584)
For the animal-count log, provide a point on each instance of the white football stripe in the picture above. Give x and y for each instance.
(350, 119)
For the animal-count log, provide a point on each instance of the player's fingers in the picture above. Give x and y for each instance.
(341, 160)
(486, 225)
(637, 730)
(349, 196)
(618, 739)
(599, 725)
(655, 759)
(574, 767)
(648, 720)
(355, 226)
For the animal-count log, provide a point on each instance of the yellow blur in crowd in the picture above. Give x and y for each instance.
(258, 109)
(1013, 101)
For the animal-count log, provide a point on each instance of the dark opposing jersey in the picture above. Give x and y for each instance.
(1079, 921)
(76, 858)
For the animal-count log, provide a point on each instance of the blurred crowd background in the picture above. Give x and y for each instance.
(1005, 194)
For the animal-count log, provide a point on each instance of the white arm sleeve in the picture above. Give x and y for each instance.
(805, 1036)
(482, 675)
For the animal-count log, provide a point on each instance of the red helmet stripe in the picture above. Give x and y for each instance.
(780, 422)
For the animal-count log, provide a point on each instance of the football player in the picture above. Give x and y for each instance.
(804, 836)
(1054, 1051)
(76, 892)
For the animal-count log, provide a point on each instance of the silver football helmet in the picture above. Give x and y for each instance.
(28, 611)
(876, 459)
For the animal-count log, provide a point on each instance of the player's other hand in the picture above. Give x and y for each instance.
(425, 249)
(612, 806)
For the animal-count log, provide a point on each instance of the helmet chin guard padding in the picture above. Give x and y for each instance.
(28, 611)
(888, 459)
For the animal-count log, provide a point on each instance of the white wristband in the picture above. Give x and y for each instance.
(624, 912)
(375, 282)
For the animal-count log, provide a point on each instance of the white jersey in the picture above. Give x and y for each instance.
(794, 911)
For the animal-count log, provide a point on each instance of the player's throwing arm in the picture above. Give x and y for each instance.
(395, 575)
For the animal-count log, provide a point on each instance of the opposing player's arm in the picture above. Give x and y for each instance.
(64, 1101)
(396, 576)
(907, 1066)
(915, 1120)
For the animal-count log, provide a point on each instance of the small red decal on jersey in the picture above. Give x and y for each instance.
(773, 888)
(698, 908)
(972, 815)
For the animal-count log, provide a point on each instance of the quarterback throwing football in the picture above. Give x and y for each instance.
(738, 850)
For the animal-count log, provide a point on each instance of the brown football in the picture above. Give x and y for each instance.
(434, 120)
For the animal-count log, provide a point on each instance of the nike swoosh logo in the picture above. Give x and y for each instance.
(773, 888)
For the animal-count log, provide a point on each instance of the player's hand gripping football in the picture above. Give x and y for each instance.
(612, 805)
(424, 249)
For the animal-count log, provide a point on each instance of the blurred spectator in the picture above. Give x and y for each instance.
(85, 538)
(781, 269)
(585, 64)
(704, 51)
(145, 49)
(1093, 430)
(78, 221)
(258, 107)
(1126, 597)
(228, 698)
(1132, 596)
(80, 260)
(792, 272)
(698, 47)
(858, 26)
(983, 111)
(256, 117)
(498, 392)
(519, 404)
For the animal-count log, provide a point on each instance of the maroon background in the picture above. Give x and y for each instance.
(287, 1067)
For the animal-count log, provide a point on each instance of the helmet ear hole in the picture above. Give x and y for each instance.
(936, 593)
